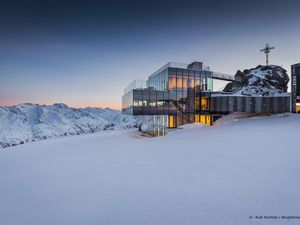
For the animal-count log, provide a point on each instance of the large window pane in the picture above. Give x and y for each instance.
(191, 83)
(179, 81)
(172, 82)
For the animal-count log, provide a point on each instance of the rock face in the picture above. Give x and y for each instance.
(259, 81)
(31, 122)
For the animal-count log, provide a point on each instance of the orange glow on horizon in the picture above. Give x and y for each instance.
(84, 105)
(73, 105)
(8, 103)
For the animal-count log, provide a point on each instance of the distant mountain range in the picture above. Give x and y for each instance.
(31, 122)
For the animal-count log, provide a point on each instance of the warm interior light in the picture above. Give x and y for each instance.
(171, 121)
(204, 103)
(172, 83)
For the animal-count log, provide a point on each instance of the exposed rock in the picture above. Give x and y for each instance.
(261, 80)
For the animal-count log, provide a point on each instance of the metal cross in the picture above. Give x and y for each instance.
(267, 50)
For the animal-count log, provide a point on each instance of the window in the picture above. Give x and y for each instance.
(197, 81)
(205, 119)
(204, 104)
(179, 79)
(172, 82)
(191, 82)
(197, 103)
(179, 82)
(171, 121)
(184, 82)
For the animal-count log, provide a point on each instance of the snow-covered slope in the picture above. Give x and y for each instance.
(30, 122)
(197, 175)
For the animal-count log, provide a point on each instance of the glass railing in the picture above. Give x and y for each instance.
(135, 84)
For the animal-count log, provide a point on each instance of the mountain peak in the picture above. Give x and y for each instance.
(30, 122)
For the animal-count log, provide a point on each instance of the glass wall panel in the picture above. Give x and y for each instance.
(179, 96)
(160, 102)
(146, 98)
(197, 81)
(182, 99)
(197, 103)
(166, 103)
(185, 119)
(191, 118)
(191, 101)
(172, 82)
(205, 84)
(197, 118)
(159, 80)
(179, 119)
(166, 78)
(191, 83)
(185, 82)
(204, 103)
(197, 85)
(172, 121)
(185, 78)
(179, 81)
(127, 103)
(209, 82)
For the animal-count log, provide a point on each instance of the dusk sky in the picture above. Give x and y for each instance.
(83, 53)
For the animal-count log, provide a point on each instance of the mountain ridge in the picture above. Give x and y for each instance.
(30, 122)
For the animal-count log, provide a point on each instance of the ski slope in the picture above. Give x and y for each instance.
(195, 175)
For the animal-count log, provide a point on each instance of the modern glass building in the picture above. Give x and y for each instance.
(295, 87)
(178, 94)
(174, 95)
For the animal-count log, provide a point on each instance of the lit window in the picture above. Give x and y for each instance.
(172, 82)
(179, 82)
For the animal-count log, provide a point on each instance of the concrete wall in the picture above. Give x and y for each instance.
(223, 104)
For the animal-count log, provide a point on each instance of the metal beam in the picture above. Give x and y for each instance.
(223, 76)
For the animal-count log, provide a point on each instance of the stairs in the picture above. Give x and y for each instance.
(186, 116)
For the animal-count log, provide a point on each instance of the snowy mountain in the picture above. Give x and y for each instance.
(260, 81)
(31, 122)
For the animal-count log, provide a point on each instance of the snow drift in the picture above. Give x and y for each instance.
(31, 122)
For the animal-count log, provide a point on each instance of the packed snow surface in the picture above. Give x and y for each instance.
(31, 122)
(195, 175)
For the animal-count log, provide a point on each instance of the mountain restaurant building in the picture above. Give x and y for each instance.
(179, 94)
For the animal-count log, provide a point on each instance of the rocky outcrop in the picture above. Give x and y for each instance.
(260, 81)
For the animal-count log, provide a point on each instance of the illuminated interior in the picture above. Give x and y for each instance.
(180, 94)
(171, 121)
(197, 118)
(205, 119)
(204, 103)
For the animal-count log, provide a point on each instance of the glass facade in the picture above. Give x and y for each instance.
(295, 89)
(178, 94)
(127, 103)
(173, 97)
